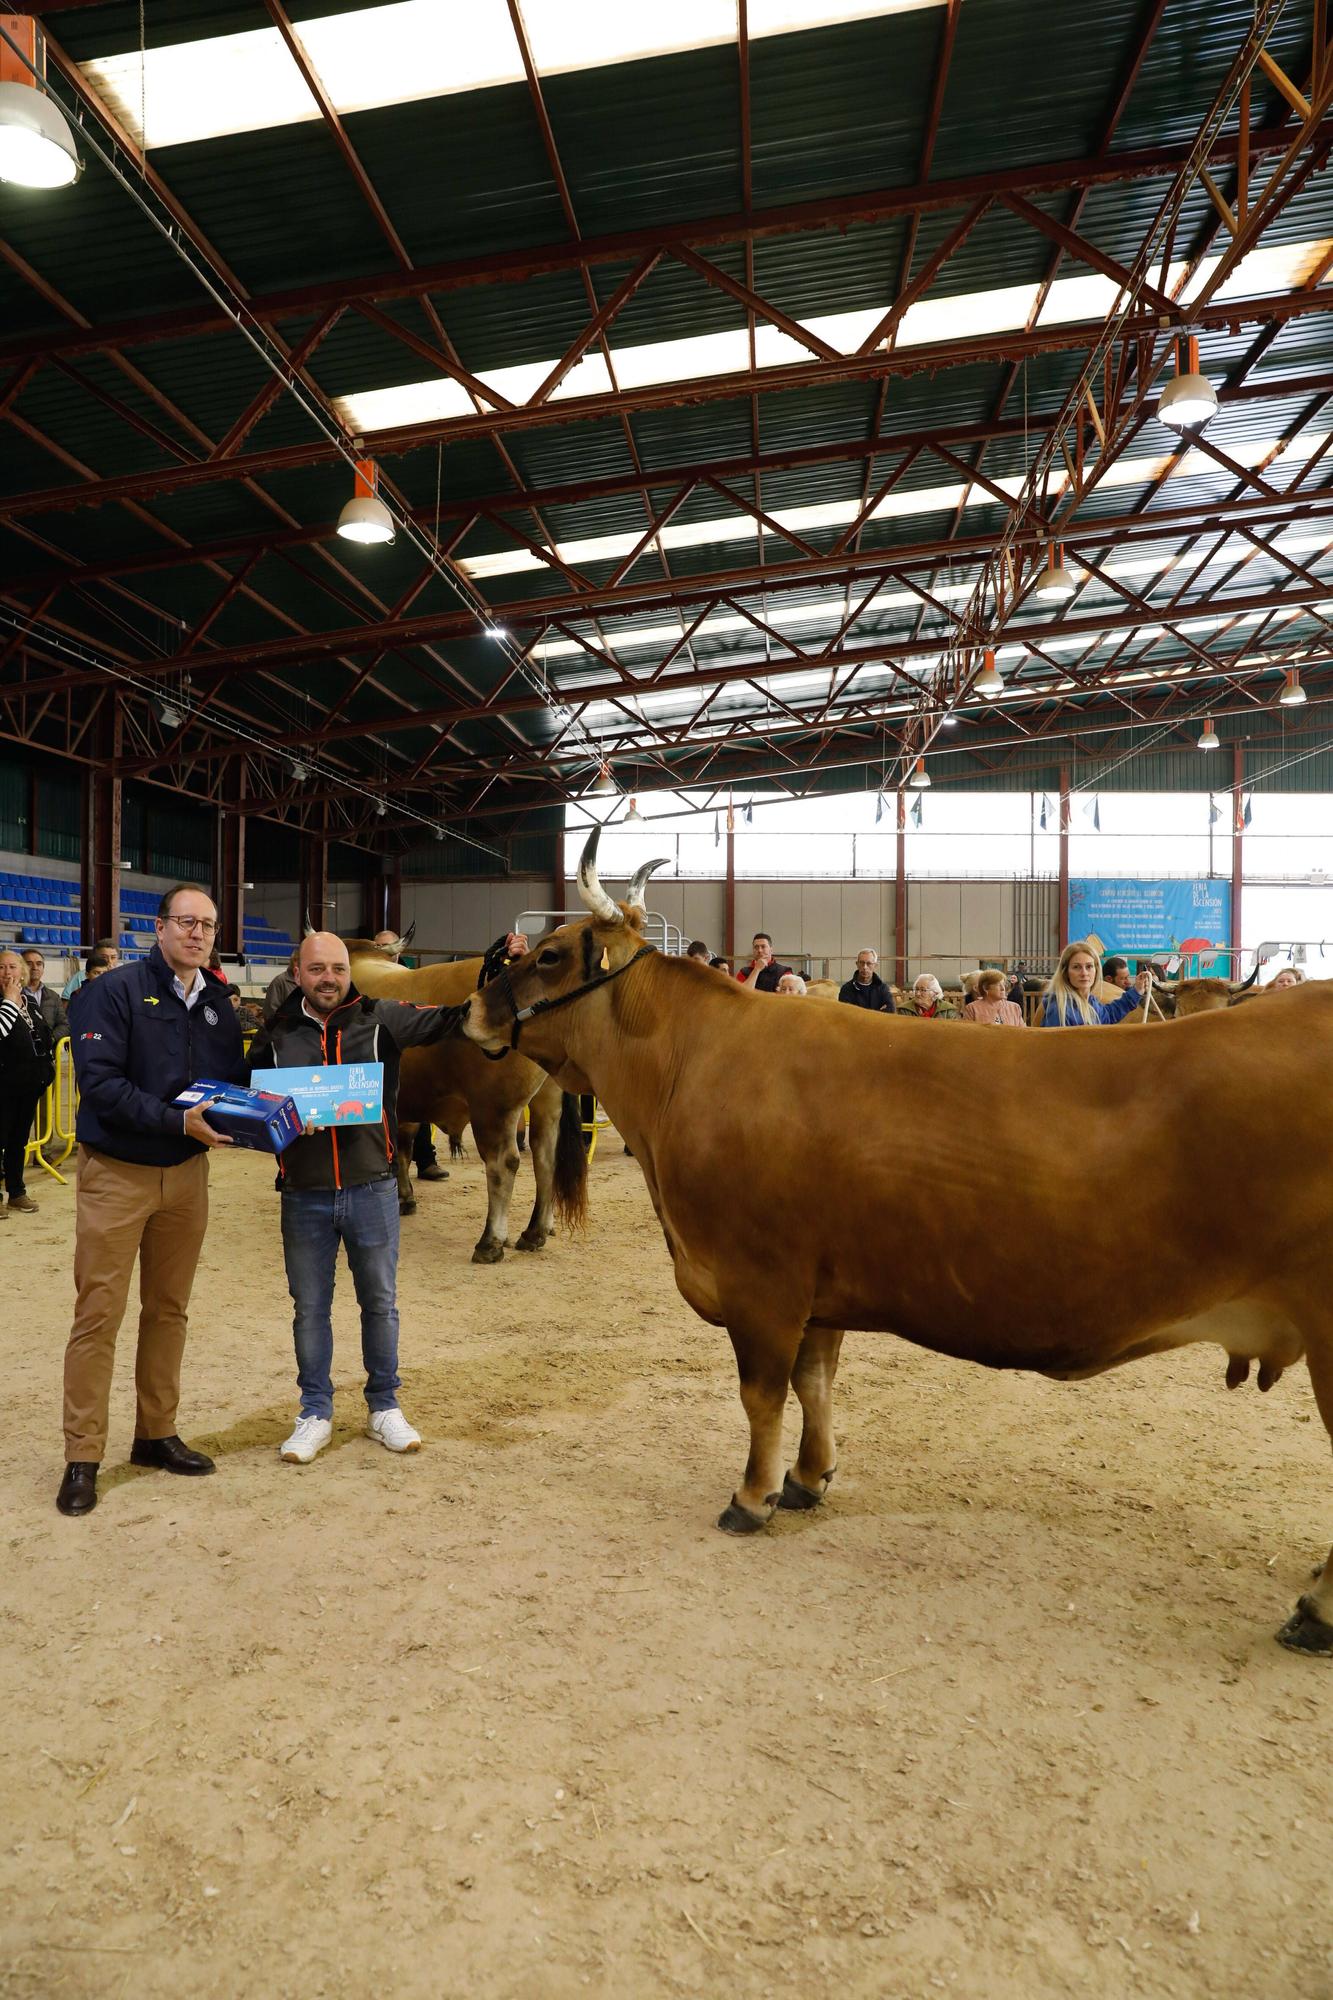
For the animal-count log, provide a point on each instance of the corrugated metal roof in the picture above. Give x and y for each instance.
(834, 111)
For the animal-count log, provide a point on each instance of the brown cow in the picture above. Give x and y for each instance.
(788, 1245)
(454, 1084)
(1179, 998)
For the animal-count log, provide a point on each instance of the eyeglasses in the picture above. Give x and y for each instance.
(204, 925)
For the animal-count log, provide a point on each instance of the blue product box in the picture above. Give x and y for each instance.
(257, 1119)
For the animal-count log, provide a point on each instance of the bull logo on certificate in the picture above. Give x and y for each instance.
(342, 1094)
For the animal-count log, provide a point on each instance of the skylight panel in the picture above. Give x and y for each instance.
(967, 315)
(592, 33)
(415, 49)
(203, 90)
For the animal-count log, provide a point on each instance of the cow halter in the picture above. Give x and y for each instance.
(522, 1014)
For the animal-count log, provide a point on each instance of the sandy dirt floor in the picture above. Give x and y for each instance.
(510, 1717)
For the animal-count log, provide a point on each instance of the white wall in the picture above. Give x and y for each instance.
(950, 925)
(468, 916)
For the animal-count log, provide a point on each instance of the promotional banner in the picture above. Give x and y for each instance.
(1117, 915)
(342, 1094)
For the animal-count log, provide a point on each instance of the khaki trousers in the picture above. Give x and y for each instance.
(159, 1215)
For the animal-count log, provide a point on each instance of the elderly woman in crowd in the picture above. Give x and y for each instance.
(928, 1001)
(792, 984)
(1068, 1001)
(989, 1005)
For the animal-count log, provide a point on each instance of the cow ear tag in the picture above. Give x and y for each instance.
(606, 959)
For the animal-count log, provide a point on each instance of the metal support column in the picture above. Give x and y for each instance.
(1237, 845)
(729, 904)
(229, 878)
(393, 898)
(900, 893)
(99, 860)
(315, 876)
(1062, 935)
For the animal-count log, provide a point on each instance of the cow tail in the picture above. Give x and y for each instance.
(571, 1166)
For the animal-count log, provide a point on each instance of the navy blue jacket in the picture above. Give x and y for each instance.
(875, 996)
(136, 1045)
(1107, 1011)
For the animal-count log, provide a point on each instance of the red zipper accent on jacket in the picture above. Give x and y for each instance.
(333, 1136)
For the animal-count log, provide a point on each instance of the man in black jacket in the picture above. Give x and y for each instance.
(43, 997)
(26, 1068)
(763, 972)
(865, 988)
(145, 1032)
(340, 1186)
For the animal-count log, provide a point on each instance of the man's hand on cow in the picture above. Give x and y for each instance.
(1144, 981)
(516, 944)
(198, 1127)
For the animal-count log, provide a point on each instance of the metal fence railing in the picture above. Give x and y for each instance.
(52, 1139)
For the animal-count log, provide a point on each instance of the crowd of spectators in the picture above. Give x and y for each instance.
(1073, 997)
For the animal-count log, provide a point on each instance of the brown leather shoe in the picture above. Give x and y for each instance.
(24, 1203)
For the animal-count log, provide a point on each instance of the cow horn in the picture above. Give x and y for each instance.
(591, 893)
(1245, 987)
(309, 927)
(408, 935)
(639, 881)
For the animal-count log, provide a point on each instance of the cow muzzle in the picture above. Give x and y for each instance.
(479, 1029)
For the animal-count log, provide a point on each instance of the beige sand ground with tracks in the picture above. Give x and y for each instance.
(510, 1717)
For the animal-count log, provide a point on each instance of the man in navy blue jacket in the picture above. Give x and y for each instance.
(144, 1033)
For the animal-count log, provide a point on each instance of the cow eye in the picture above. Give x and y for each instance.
(548, 958)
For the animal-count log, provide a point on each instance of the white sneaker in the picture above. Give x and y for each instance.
(391, 1428)
(310, 1437)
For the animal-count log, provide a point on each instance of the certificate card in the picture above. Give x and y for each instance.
(344, 1094)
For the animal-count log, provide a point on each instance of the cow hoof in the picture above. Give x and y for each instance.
(1306, 1632)
(531, 1239)
(408, 1207)
(799, 1499)
(738, 1520)
(488, 1253)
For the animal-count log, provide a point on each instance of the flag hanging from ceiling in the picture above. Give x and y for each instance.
(879, 807)
(1214, 811)
(1045, 808)
(916, 811)
(717, 831)
(749, 815)
(1245, 816)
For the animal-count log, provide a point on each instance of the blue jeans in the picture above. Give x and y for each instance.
(365, 1220)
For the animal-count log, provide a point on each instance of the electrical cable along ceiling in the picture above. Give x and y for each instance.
(456, 409)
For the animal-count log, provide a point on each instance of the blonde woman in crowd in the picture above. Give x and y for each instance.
(1290, 975)
(1068, 1000)
(989, 1005)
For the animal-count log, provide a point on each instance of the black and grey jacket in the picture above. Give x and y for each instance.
(25, 1045)
(361, 1030)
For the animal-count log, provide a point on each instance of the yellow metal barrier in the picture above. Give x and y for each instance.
(57, 1109)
